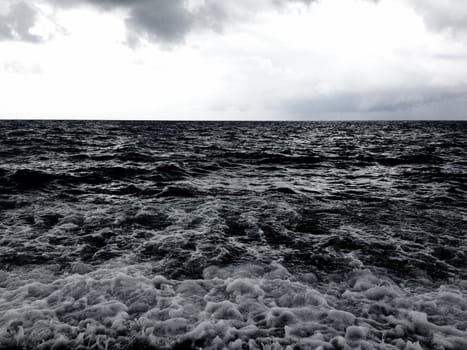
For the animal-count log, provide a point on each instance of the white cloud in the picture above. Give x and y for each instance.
(448, 15)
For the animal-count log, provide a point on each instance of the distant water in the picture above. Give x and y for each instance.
(211, 235)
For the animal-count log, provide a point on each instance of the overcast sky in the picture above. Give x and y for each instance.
(234, 59)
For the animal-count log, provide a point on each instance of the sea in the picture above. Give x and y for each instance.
(233, 235)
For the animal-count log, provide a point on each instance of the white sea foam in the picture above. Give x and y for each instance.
(236, 307)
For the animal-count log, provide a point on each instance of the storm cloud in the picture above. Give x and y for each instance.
(17, 22)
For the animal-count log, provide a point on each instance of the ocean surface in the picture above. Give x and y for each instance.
(233, 235)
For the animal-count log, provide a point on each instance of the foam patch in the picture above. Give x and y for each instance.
(237, 307)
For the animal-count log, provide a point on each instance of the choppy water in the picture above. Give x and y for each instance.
(132, 235)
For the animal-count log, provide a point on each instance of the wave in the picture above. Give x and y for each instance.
(272, 158)
(179, 190)
(410, 159)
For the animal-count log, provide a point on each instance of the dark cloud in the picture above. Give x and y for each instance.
(17, 22)
(169, 21)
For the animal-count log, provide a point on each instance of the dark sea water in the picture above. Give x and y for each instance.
(211, 235)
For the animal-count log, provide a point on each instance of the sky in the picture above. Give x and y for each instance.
(236, 59)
